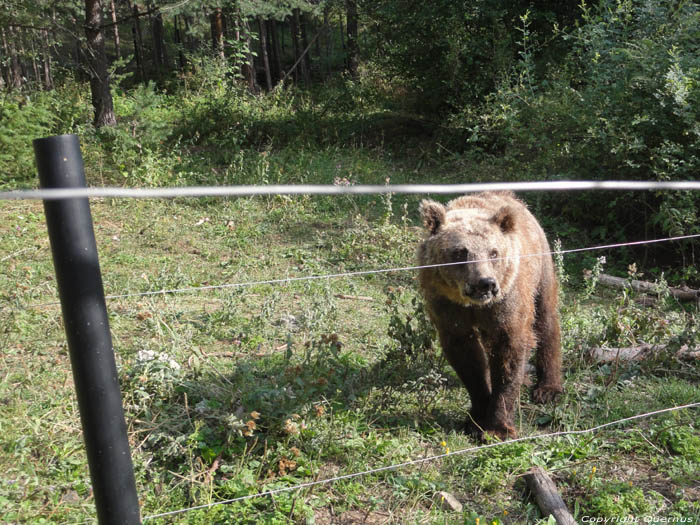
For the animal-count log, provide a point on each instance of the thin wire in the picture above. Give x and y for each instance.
(288, 280)
(330, 189)
(423, 460)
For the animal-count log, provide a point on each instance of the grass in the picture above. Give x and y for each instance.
(238, 390)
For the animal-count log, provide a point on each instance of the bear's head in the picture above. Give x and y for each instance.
(478, 247)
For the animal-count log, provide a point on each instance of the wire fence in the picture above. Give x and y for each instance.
(240, 191)
(426, 459)
(332, 189)
(359, 273)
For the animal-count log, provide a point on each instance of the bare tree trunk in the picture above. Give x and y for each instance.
(352, 63)
(179, 42)
(4, 70)
(46, 61)
(138, 43)
(263, 48)
(306, 71)
(28, 42)
(275, 49)
(547, 497)
(115, 28)
(298, 47)
(15, 71)
(294, 32)
(160, 58)
(682, 294)
(248, 67)
(216, 21)
(97, 60)
(329, 39)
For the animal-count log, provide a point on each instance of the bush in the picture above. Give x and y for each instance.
(28, 116)
(623, 103)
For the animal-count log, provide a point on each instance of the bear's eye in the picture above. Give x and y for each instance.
(493, 254)
(459, 254)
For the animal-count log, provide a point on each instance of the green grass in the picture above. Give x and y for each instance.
(218, 406)
(238, 390)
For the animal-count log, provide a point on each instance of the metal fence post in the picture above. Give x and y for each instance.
(69, 223)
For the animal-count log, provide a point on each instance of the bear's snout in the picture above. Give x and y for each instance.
(481, 291)
(486, 286)
(485, 289)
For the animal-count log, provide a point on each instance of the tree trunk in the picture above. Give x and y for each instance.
(46, 61)
(115, 29)
(352, 63)
(294, 33)
(682, 294)
(188, 34)
(547, 497)
(263, 48)
(160, 57)
(15, 70)
(306, 61)
(97, 59)
(328, 39)
(5, 76)
(35, 65)
(248, 68)
(138, 43)
(641, 352)
(299, 46)
(216, 21)
(275, 50)
(179, 42)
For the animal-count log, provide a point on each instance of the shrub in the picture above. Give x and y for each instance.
(622, 104)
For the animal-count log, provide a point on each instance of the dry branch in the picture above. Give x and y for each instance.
(547, 497)
(354, 297)
(682, 294)
(639, 353)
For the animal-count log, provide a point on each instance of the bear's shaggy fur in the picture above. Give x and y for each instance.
(495, 306)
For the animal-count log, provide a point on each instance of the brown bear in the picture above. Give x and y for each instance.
(493, 298)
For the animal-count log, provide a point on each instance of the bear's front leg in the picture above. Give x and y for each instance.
(466, 355)
(507, 363)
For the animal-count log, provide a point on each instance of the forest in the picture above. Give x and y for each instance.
(233, 391)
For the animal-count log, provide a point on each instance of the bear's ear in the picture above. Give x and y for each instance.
(433, 215)
(505, 219)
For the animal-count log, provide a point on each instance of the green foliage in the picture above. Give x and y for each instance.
(621, 104)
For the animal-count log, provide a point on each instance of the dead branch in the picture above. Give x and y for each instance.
(354, 297)
(639, 353)
(547, 497)
(682, 294)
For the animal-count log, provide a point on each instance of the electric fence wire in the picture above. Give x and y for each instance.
(358, 273)
(423, 460)
(333, 189)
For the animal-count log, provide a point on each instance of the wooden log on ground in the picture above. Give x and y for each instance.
(547, 497)
(639, 353)
(682, 294)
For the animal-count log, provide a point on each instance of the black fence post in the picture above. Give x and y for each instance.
(69, 222)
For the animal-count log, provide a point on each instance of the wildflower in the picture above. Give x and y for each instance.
(290, 427)
(255, 414)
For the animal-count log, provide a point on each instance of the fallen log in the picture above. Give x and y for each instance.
(547, 497)
(682, 294)
(601, 354)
